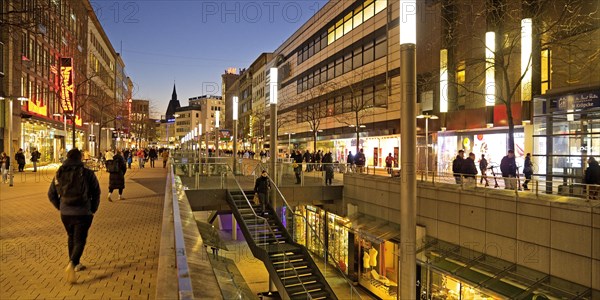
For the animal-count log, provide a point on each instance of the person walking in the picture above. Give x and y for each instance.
(508, 167)
(483, 164)
(469, 170)
(297, 166)
(140, 155)
(35, 157)
(527, 171)
(389, 162)
(20, 159)
(4, 166)
(592, 177)
(75, 192)
(328, 166)
(116, 179)
(153, 156)
(307, 157)
(350, 162)
(262, 186)
(165, 157)
(359, 161)
(457, 166)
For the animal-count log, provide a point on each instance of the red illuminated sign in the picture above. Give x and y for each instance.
(67, 84)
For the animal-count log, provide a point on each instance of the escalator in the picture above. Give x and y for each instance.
(289, 264)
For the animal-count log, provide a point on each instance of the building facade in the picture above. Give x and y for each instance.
(140, 128)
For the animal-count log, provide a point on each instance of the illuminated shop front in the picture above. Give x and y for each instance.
(375, 148)
(378, 266)
(41, 136)
(449, 272)
(328, 233)
(493, 143)
(566, 133)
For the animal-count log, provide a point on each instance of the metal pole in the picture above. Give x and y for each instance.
(426, 147)
(235, 141)
(206, 149)
(408, 192)
(65, 128)
(10, 141)
(273, 147)
(216, 141)
(289, 144)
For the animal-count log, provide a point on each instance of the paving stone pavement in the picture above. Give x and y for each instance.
(121, 252)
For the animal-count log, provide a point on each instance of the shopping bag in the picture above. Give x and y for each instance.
(256, 200)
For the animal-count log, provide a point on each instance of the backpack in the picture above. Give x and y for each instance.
(112, 166)
(70, 186)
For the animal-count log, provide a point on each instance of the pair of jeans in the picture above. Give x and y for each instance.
(77, 230)
(152, 162)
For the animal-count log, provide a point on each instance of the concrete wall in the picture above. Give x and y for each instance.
(559, 236)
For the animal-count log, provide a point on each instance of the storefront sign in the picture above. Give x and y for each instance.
(36, 106)
(78, 120)
(67, 84)
(581, 101)
(224, 135)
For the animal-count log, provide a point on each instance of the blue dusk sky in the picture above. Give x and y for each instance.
(192, 42)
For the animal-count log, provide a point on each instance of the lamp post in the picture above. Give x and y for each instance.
(290, 142)
(217, 119)
(408, 131)
(10, 136)
(427, 117)
(235, 133)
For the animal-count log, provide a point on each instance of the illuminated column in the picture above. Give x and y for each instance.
(490, 76)
(235, 132)
(217, 113)
(444, 81)
(272, 82)
(408, 142)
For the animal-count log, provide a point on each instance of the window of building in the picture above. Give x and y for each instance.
(380, 5)
(369, 10)
(368, 53)
(331, 70)
(339, 66)
(368, 96)
(338, 105)
(339, 29)
(348, 22)
(357, 57)
(347, 103)
(380, 47)
(380, 95)
(348, 62)
(546, 70)
(460, 80)
(358, 17)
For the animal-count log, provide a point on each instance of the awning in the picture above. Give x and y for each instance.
(496, 276)
(374, 229)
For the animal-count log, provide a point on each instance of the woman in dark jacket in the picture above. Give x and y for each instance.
(116, 179)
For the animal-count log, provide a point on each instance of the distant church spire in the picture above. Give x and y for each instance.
(174, 95)
(173, 105)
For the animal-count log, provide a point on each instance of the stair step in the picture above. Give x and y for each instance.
(282, 259)
(281, 248)
(299, 289)
(297, 280)
(288, 266)
(313, 295)
(301, 272)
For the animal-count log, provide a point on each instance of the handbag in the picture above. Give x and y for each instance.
(256, 199)
(294, 165)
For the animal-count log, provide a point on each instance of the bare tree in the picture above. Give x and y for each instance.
(314, 111)
(556, 25)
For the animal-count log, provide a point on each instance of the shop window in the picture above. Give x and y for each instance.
(357, 57)
(380, 47)
(546, 70)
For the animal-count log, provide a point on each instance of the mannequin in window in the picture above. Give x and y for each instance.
(366, 260)
(373, 255)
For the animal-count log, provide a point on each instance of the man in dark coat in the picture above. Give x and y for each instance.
(468, 168)
(508, 167)
(328, 166)
(75, 192)
(298, 166)
(116, 179)
(20, 158)
(262, 187)
(350, 161)
(592, 176)
(153, 156)
(457, 166)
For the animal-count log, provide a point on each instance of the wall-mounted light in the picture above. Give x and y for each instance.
(490, 70)
(444, 80)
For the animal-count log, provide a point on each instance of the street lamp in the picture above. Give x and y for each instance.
(217, 119)
(408, 130)
(427, 117)
(289, 142)
(235, 131)
(10, 130)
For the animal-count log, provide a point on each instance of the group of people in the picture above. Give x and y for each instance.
(142, 155)
(319, 161)
(356, 163)
(5, 162)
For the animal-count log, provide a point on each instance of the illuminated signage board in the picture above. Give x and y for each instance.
(67, 84)
(37, 107)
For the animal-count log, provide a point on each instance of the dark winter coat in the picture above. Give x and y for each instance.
(262, 185)
(528, 167)
(92, 197)
(116, 180)
(350, 159)
(360, 159)
(508, 167)
(592, 174)
(468, 167)
(483, 165)
(35, 156)
(457, 165)
(20, 158)
(328, 160)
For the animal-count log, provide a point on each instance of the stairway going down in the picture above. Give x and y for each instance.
(289, 264)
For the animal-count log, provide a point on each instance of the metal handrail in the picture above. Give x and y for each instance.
(267, 225)
(316, 234)
(183, 274)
